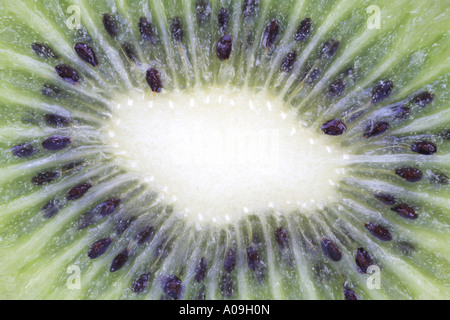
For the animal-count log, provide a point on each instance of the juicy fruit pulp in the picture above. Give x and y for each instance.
(91, 210)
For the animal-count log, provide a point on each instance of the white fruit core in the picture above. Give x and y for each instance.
(219, 154)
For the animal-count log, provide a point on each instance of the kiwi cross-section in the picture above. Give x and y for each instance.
(224, 149)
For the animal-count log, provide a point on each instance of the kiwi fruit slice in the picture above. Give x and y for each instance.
(224, 149)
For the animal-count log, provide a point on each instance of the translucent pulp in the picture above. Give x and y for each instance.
(220, 154)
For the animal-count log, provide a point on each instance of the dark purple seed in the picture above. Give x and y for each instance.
(203, 10)
(230, 261)
(172, 287)
(439, 178)
(271, 33)
(376, 130)
(282, 237)
(50, 208)
(108, 207)
(445, 134)
(329, 49)
(177, 29)
(289, 60)
(253, 260)
(119, 261)
(56, 143)
(350, 294)
(86, 53)
(363, 260)
(145, 29)
(141, 283)
(200, 272)
(423, 98)
(379, 231)
(424, 147)
(145, 235)
(334, 127)
(57, 121)
(250, 7)
(67, 73)
(129, 51)
(382, 90)
(154, 80)
(303, 30)
(227, 286)
(224, 18)
(78, 191)
(406, 211)
(224, 47)
(386, 199)
(50, 91)
(331, 249)
(86, 220)
(336, 88)
(45, 177)
(110, 24)
(401, 112)
(123, 224)
(23, 150)
(43, 50)
(409, 174)
(99, 247)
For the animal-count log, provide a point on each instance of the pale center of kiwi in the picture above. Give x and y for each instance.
(219, 154)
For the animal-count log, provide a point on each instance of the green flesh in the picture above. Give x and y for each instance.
(411, 49)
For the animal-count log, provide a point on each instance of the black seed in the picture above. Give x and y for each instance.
(172, 287)
(67, 73)
(99, 247)
(177, 29)
(43, 50)
(379, 231)
(86, 220)
(271, 33)
(250, 7)
(386, 199)
(401, 112)
(253, 260)
(409, 174)
(154, 80)
(331, 249)
(78, 191)
(313, 75)
(230, 261)
(227, 286)
(45, 177)
(23, 150)
(110, 24)
(200, 272)
(350, 294)
(50, 208)
(439, 178)
(424, 147)
(129, 51)
(145, 235)
(57, 121)
(406, 211)
(382, 90)
(123, 224)
(282, 237)
(145, 29)
(86, 53)
(141, 283)
(303, 29)
(423, 98)
(203, 9)
(55, 143)
(50, 91)
(224, 47)
(329, 48)
(224, 18)
(289, 60)
(334, 127)
(363, 260)
(336, 88)
(119, 261)
(377, 129)
(108, 207)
